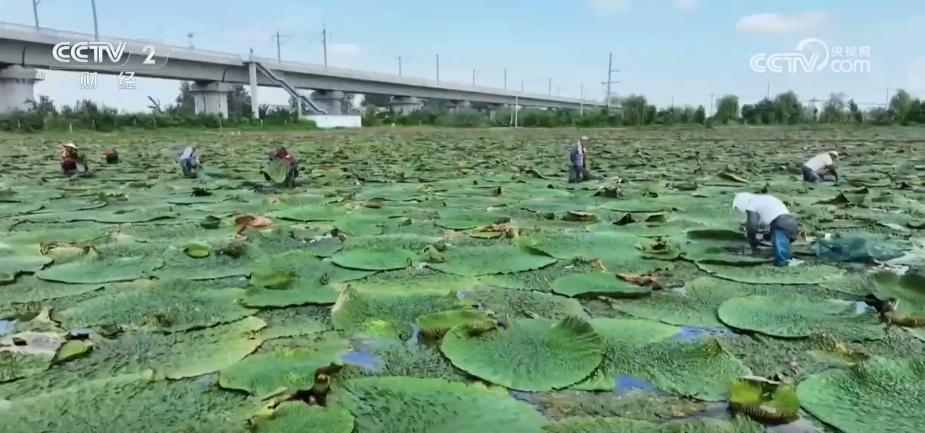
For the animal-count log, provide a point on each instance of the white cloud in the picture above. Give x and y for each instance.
(781, 22)
(607, 7)
(685, 5)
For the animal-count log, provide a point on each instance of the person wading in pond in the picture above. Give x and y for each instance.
(766, 213)
(189, 161)
(820, 166)
(72, 160)
(282, 155)
(578, 158)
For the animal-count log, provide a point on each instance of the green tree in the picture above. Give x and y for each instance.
(788, 109)
(834, 109)
(376, 100)
(855, 112)
(186, 103)
(727, 108)
(902, 105)
(635, 109)
(700, 116)
(239, 101)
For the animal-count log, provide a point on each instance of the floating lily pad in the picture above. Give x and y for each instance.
(289, 369)
(300, 417)
(528, 355)
(467, 219)
(872, 396)
(495, 259)
(166, 306)
(197, 251)
(794, 316)
(374, 260)
(406, 404)
(597, 284)
(96, 270)
(792, 275)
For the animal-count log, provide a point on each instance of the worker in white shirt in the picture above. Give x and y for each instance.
(821, 165)
(766, 212)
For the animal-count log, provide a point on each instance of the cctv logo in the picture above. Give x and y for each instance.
(99, 53)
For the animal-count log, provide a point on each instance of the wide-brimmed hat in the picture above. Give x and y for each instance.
(70, 145)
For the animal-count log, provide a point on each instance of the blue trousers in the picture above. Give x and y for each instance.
(780, 242)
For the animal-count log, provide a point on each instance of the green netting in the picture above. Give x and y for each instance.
(411, 405)
(528, 355)
(878, 395)
(793, 316)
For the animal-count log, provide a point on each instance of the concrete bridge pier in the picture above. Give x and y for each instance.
(17, 85)
(211, 97)
(455, 106)
(405, 105)
(331, 101)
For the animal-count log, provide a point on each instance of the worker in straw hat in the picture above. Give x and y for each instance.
(766, 213)
(578, 169)
(72, 161)
(820, 166)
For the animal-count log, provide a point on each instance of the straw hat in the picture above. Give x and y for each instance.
(70, 145)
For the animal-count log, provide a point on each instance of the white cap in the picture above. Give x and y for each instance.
(741, 201)
(584, 137)
(70, 145)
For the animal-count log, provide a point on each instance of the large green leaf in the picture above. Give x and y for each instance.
(812, 274)
(528, 355)
(374, 260)
(701, 369)
(393, 312)
(127, 403)
(309, 213)
(880, 395)
(96, 270)
(793, 316)
(411, 405)
(467, 219)
(267, 373)
(693, 305)
(617, 251)
(221, 348)
(300, 417)
(495, 259)
(166, 306)
(598, 284)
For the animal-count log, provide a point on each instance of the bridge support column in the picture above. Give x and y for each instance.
(331, 101)
(455, 106)
(405, 105)
(17, 85)
(211, 97)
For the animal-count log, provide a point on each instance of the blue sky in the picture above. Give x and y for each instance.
(681, 50)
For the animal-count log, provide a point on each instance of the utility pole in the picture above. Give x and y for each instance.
(96, 27)
(279, 41)
(550, 86)
(437, 56)
(324, 42)
(887, 99)
(769, 91)
(610, 81)
(710, 113)
(581, 102)
(189, 39)
(505, 78)
(473, 77)
(35, 12)
(521, 86)
(399, 66)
